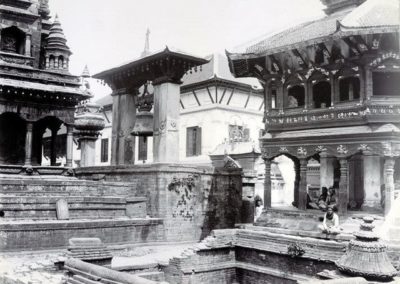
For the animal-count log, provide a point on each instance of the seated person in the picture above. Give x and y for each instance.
(310, 203)
(322, 199)
(330, 225)
(327, 198)
(258, 207)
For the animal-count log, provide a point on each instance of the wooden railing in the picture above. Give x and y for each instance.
(337, 115)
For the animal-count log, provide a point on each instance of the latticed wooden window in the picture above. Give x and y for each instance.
(104, 150)
(193, 141)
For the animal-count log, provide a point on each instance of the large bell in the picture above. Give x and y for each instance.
(144, 124)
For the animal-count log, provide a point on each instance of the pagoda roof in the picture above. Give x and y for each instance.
(373, 16)
(152, 58)
(217, 68)
(56, 89)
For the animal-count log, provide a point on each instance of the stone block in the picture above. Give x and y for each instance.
(62, 209)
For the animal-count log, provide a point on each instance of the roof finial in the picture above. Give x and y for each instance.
(146, 50)
(85, 73)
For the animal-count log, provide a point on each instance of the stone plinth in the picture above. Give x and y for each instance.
(366, 255)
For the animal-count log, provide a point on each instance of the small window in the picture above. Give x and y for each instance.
(142, 148)
(193, 141)
(386, 84)
(322, 94)
(104, 150)
(296, 97)
(349, 88)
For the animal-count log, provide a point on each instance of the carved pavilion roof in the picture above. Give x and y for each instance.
(373, 16)
(135, 73)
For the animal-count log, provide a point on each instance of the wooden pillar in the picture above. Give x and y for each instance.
(70, 146)
(303, 184)
(333, 89)
(306, 99)
(343, 195)
(389, 183)
(28, 144)
(267, 183)
(53, 150)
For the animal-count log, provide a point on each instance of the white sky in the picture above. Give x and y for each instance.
(104, 33)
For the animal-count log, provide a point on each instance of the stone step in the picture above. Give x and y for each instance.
(51, 234)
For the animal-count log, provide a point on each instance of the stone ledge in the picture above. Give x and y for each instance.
(76, 224)
(157, 168)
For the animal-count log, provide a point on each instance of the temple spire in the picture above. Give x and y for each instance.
(146, 50)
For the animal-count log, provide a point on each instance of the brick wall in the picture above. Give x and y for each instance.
(251, 277)
(192, 200)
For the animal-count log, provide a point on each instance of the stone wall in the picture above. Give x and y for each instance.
(192, 200)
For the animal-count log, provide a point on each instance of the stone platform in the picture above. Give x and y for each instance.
(31, 219)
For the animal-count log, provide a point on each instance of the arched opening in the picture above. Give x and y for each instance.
(12, 139)
(386, 84)
(61, 62)
(13, 40)
(349, 88)
(296, 96)
(322, 94)
(49, 142)
(51, 61)
(283, 181)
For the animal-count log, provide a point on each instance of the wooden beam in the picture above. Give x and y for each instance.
(230, 97)
(195, 96)
(209, 94)
(247, 100)
(300, 59)
(180, 101)
(223, 95)
(275, 64)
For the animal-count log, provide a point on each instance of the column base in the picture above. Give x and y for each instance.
(371, 206)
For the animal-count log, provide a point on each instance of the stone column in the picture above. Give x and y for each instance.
(326, 171)
(124, 117)
(267, 184)
(166, 121)
(343, 194)
(372, 181)
(70, 146)
(389, 183)
(28, 143)
(303, 184)
(333, 88)
(88, 151)
(47, 62)
(28, 45)
(115, 129)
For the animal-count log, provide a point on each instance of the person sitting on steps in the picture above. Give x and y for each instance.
(330, 225)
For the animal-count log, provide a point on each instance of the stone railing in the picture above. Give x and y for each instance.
(309, 118)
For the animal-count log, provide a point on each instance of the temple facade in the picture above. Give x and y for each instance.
(332, 95)
(38, 95)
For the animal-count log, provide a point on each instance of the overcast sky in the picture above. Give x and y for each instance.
(104, 33)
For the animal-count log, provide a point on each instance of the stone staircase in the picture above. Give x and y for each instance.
(31, 216)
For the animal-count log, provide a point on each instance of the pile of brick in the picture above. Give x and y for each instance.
(89, 250)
